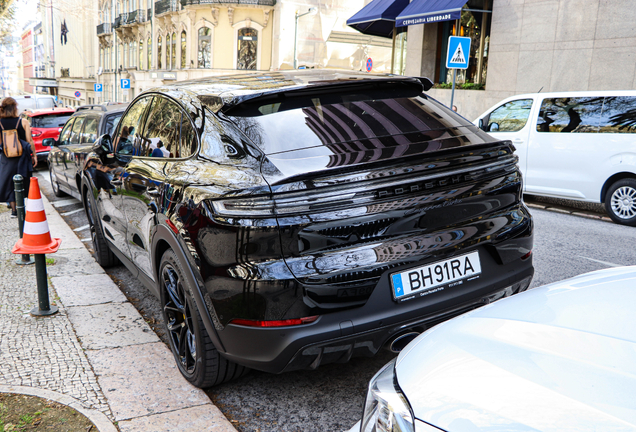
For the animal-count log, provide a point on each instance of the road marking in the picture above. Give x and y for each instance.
(64, 203)
(85, 240)
(609, 264)
(82, 228)
(71, 212)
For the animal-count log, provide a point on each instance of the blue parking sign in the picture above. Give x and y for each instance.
(458, 52)
(125, 83)
(97, 87)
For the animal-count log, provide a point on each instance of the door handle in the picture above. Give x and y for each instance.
(116, 182)
(517, 141)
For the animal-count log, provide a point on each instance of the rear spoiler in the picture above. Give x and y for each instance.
(248, 104)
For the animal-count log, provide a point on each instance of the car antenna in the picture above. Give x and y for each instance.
(540, 89)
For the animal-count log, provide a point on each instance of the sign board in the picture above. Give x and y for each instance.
(169, 76)
(125, 83)
(458, 52)
(98, 88)
(78, 94)
(369, 64)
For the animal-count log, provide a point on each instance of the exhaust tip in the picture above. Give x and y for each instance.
(398, 344)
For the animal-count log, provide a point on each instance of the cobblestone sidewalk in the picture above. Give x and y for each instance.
(41, 352)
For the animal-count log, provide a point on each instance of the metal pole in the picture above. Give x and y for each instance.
(393, 49)
(453, 91)
(296, 41)
(19, 206)
(44, 308)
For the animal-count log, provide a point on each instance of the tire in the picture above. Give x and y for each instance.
(56, 187)
(103, 255)
(620, 202)
(196, 356)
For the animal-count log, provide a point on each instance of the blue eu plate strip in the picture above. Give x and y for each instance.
(397, 285)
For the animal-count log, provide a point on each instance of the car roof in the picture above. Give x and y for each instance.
(222, 91)
(108, 109)
(47, 111)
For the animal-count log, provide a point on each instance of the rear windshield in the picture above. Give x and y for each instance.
(49, 121)
(365, 121)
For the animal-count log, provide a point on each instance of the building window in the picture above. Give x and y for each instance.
(141, 54)
(476, 26)
(132, 51)
(159, 52)
(205, 38)
(247, 46)
(102, 57)
(120, 55)
(399, 59)
(173, 52)
(149, 48)
(168, 46)
(183, 49)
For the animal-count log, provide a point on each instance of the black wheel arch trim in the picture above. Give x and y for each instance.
(162, 233)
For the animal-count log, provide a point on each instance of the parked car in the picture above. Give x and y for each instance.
(68, 153)
(32, 102)
(573, 145)
(46, 123)
(556, 358)
(304, 218)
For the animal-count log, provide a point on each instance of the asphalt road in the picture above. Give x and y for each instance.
(331, 397)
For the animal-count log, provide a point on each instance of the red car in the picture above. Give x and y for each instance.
(46, 123)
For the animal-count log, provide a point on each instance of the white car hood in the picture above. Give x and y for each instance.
(561, 357)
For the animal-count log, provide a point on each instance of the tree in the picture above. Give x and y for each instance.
(7, 21)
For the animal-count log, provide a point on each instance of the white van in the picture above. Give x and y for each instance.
(31, 102)
(574, 145)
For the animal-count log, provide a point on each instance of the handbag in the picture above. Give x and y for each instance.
(11, 143)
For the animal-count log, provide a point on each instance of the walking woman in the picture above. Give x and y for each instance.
(18, 165)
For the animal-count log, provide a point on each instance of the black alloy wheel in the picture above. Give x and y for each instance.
(196, 356)
(56, 187)
(620, 202)
(103, 255)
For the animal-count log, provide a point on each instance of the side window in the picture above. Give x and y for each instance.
(619, 115)
(188, 137)
(510, 117)
(126, 141)
(111, 123)
(163, 129)
(89, 134)
(564, 115)
(65, 135)
(77, 128)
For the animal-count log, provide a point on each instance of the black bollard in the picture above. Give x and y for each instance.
(19, 206)
(44, 307)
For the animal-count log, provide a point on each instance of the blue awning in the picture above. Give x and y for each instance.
(430, 11)
(378, 17)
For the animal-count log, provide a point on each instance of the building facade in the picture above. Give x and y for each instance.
(531, 46)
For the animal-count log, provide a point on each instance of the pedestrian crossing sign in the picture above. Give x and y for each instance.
(458, 52)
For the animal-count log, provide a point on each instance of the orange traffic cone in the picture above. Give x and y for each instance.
(36, 238)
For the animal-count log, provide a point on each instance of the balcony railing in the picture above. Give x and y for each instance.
(163, 6)
(105, 28)
(239, 2)
(117, 22)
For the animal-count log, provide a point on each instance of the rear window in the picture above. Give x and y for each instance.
(379, 121)
(49, 121)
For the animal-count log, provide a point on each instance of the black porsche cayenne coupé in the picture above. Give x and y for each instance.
(288, 220)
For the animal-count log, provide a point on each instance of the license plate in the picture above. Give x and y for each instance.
(421, 281)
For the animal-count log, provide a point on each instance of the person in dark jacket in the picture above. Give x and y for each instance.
(19, 165)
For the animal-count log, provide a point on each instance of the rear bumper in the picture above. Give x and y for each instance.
(362, 331)
(43, 156)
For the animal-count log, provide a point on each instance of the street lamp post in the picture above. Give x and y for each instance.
(311, 11)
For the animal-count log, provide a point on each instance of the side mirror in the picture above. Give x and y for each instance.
(494, 127)
(103, 144)
(481, 124)
(48, 142)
